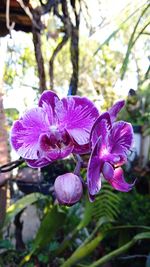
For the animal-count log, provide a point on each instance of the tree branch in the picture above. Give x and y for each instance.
(11, 165)
(51, 62)
(74, 51)
(38, 50)
(7, 168)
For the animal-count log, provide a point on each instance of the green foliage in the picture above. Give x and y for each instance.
(114, 33)
(120, 250)
(138, 213)
(27, 58)
(83, 251)
(106, 204)
(87, 215)
(12, 114)
(6, 244)
(9, 74)
(51, 223)
(21, 204)
(137, 108)
(134, 37)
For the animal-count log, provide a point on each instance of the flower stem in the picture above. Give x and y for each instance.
(83, 251)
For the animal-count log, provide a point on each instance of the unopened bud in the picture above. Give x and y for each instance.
(68, 188)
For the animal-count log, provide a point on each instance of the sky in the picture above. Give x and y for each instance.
(19, 96)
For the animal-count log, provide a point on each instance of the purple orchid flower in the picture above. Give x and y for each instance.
(111, 142)
(54, 129)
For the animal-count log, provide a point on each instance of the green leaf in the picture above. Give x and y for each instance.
(113, 34)
(132, 42)
(52, 221)
(21, 204)
(145, 235)
(106, 204)
(87, 215)
(83, 251)
(50, 224)
(120, 250)
(6, 244)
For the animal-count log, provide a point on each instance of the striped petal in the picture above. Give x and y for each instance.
(118, 182)
(77, 115)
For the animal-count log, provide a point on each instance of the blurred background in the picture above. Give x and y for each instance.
(101, 50)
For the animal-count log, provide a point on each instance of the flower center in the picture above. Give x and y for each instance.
(53, 128)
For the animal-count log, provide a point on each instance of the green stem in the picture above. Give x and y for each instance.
(83, 251)
(67, 241)
(113, 254)
(116, 252)
(102, 221)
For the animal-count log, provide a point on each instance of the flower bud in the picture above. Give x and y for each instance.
(68, 188)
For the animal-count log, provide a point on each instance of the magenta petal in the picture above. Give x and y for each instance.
(77, 115)
(81, 149)
(91, 197)
(54, 149)
(114, 159)
(52, 119)
(121, 137)
(114, 110)
(119, 183)
(122, 160)
(108, 171)
(39, 163)
(48, 97)
(94, 169)
(59, 153)
(46, 143)
(100, 128)
(26, 131)
(66, 150)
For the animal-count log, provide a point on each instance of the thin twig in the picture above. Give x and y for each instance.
(133, 256)
(9, 26)
(26, 9)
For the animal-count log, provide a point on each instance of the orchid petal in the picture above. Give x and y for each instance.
(66, 151)
(26, 132)
(118, 181)
(48, 97)
(101, 127)
(77, 116)
(108, 171)
(94, 169)
(121, 161)
(39, 163)
(115, 109)
(81, 149)
(121, 137)
(52, 119)
(59, 153)
(114, 159)
(54, 149)
(91, 197)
